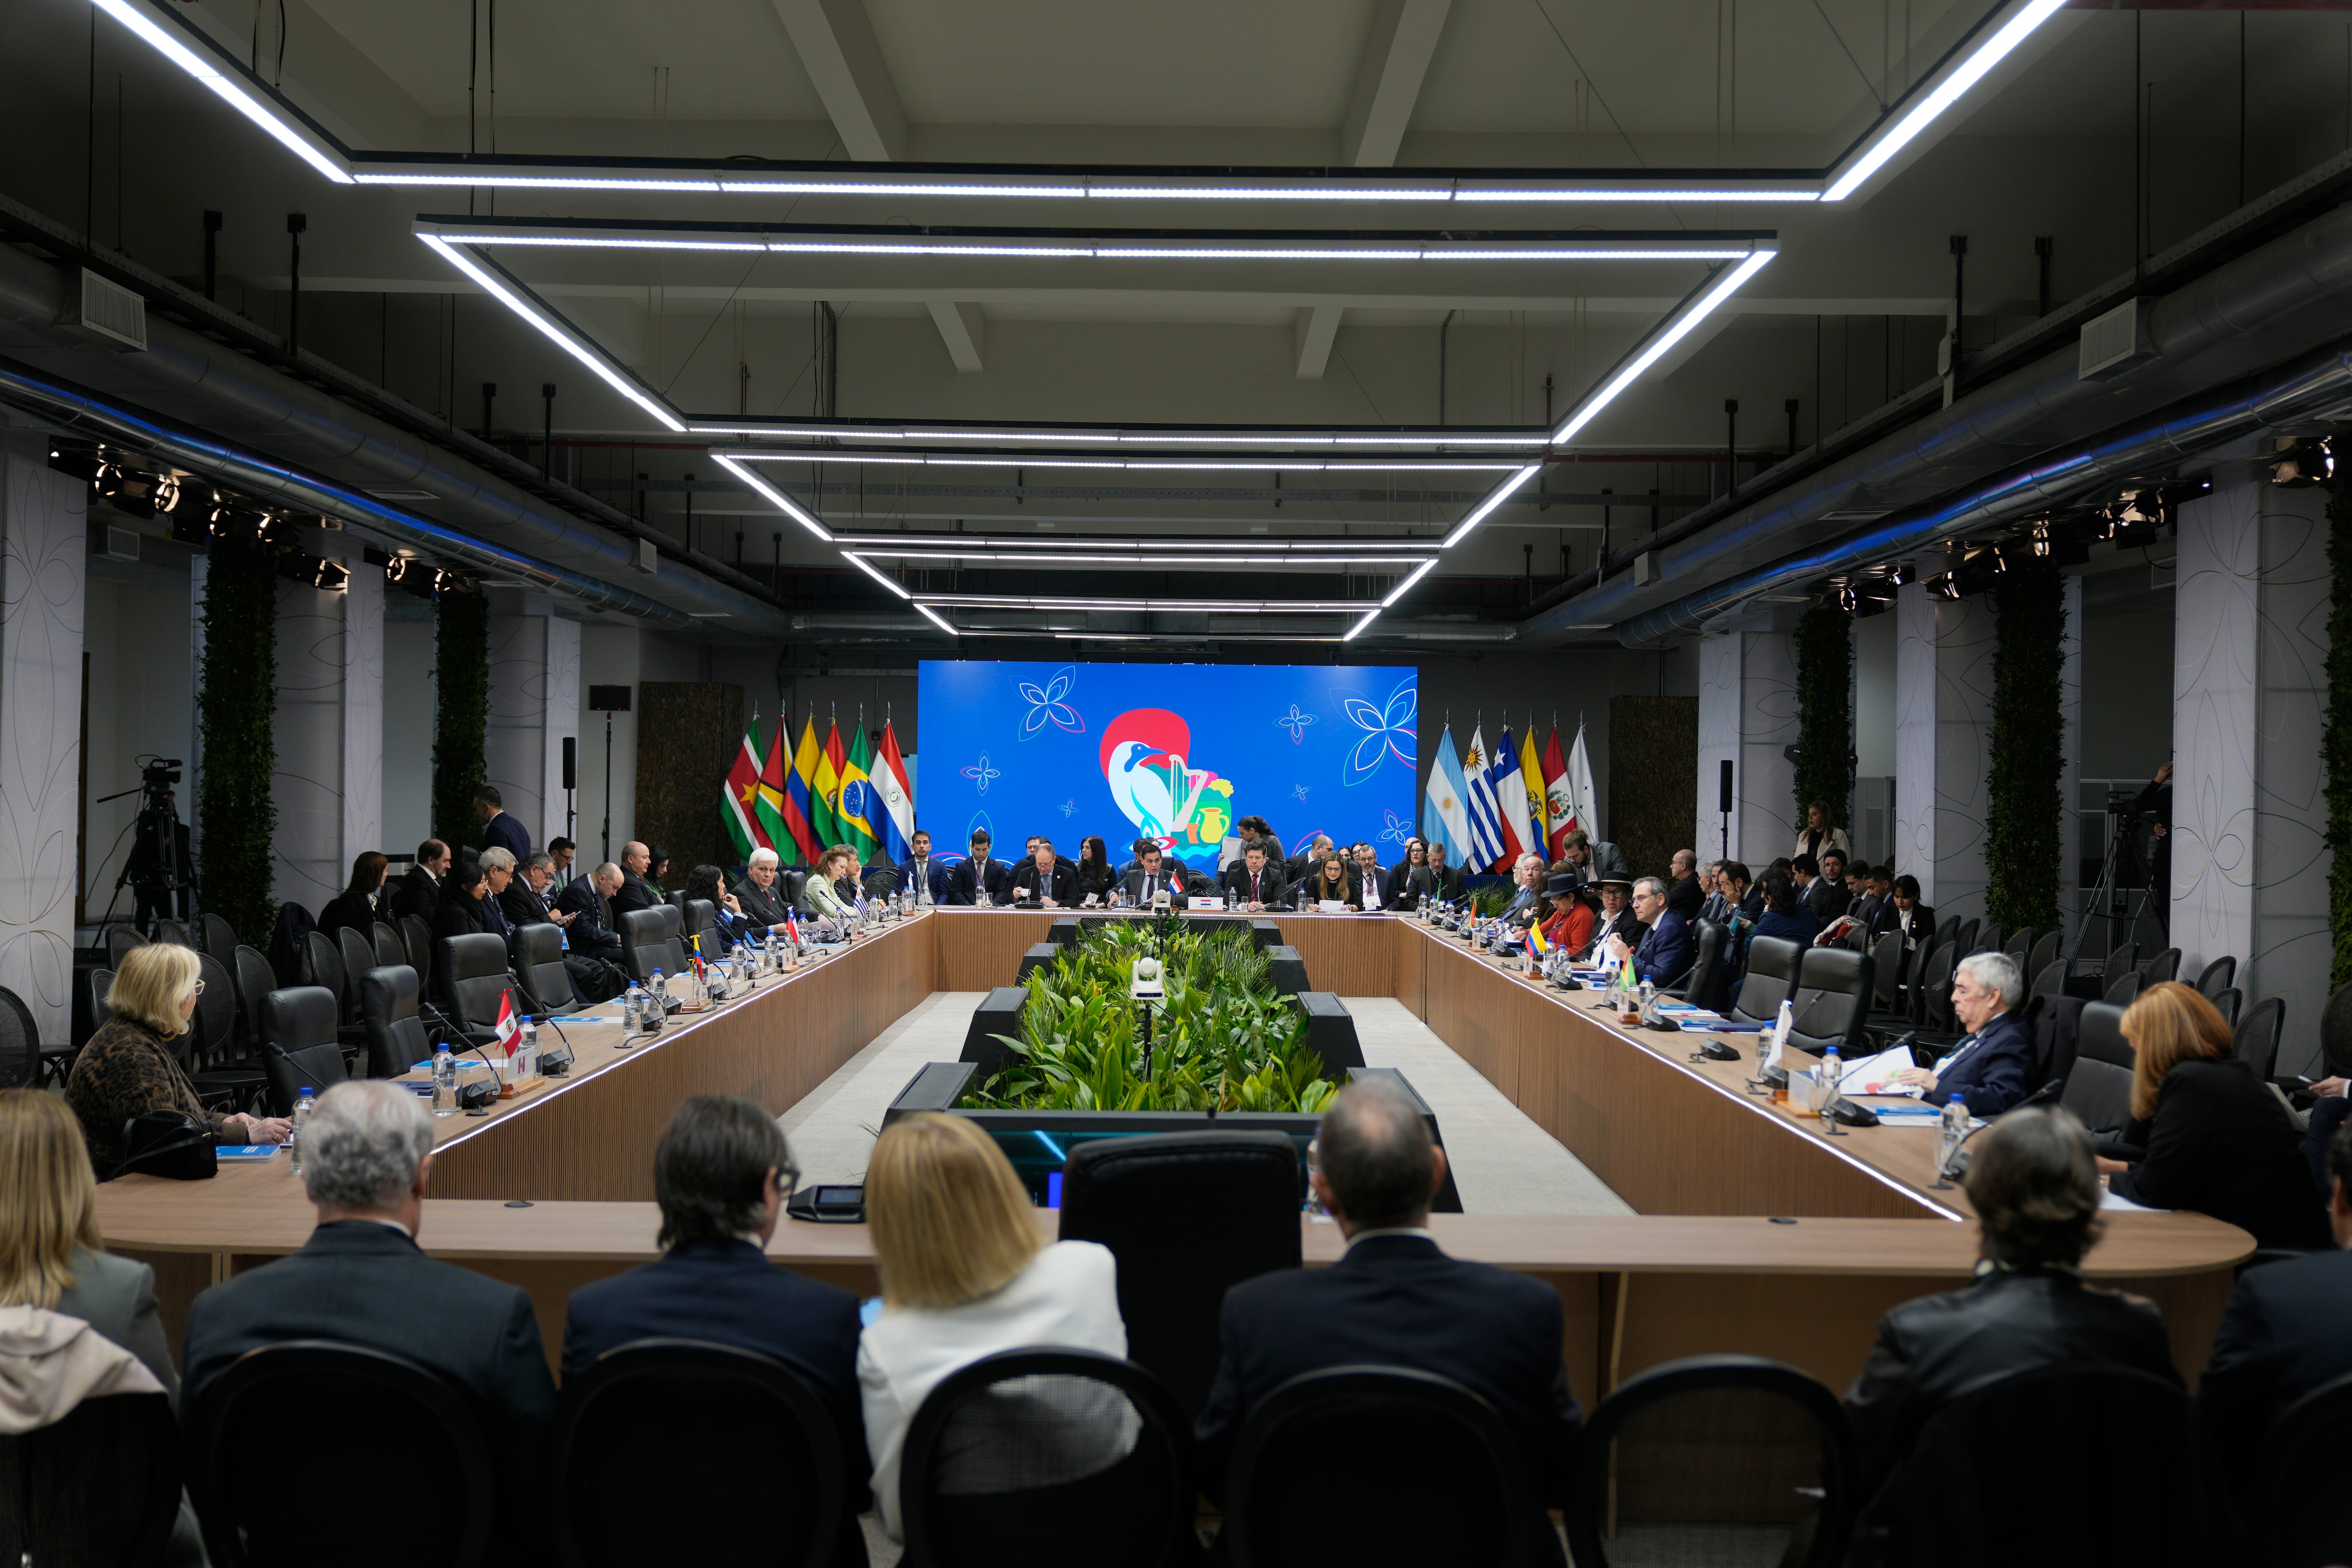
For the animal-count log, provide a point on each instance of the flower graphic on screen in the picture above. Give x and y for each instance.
(1296, 722)
(1069, 808)
(1046, 707)
(1298, 793)
(1387, 731)
(1396, 830)
(980, 772)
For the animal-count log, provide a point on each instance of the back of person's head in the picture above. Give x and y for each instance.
(1374, 1148)
(950, 1221)
(431, 850)
(1780, 893)
(49, 1200)
(2168, 1024)
(1805, 865)
(487, 795)
(2034, 1182)
(367, 872)
(710, 1169)
(703, 882)
(151, 984)
(363, 1145)
(1781, 863)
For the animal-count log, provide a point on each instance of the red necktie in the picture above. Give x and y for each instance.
(1254, 898)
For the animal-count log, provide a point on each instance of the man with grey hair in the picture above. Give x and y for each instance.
(1527, 905)
(498, 875)
(1994, 1066)
(525, 899)
(1395, 1300)
(362, 1280)
(762, 899)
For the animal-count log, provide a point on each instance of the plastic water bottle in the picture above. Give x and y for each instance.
(527, 1057)
(1832, 1071)
(632, 1009)
(1955, 1127)
(302, 1107)
(444, 1081)
(657, 999)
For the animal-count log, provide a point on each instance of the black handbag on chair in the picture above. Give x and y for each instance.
(168, 1143)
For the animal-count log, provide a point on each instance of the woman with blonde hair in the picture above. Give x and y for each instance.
(2217, 1140)
(823, 889)
(966, 1273)
(128, 1069)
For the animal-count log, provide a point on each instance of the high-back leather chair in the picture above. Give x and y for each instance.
(2159, 967)
(2099, 1084)
(255, 981)
(417, 938)
(1709, 975)
(649, 941)
(220, 937)
(473, 981)
(546, 984)
(389, 948)
(298, 1049)
(1832, 1000)
(1771, 978)
(2217, 976)
(322, 965)
(90, 1011)
(119, 939)
(2257, 1035)
(357, 950)
(397, 1040)
(1148, 1200)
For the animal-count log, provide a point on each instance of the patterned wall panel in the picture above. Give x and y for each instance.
(41, 589)
(1653, 764)
(514, 752)
(562, 719)
(1748, 712)
(362, 716)
(687, 735)
(2070, 718)
(1943, 695)
(307, 785)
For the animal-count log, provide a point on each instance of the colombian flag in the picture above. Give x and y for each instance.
(1536, 943)
(800, 809)
(827, 790)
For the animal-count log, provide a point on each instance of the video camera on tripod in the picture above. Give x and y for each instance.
(158, 870)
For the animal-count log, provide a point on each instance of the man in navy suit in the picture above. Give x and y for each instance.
(721, 1173)
(1394, 1300)
(1665, 946)
(976, 872)
(921, 875)
(1994, 1066)
(500, 831)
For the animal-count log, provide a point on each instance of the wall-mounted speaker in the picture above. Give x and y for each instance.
(1726, 806)
(571, 761)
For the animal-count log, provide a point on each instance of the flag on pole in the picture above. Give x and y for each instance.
(1478, 798)
(509, 1032)
(1538, 813)
(858, 807)
(1445, 814)
(771, 813)
(800, 798)
(1583, 804)
(1537, 944)
(740, 805)
(896, 792)
(826, 789)
(1510, 800)
(1558, 810)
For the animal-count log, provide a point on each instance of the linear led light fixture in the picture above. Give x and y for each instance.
(1133, 561)
(1006, 433)
(234, 84)
(776, 498)
(1357, 630)
(1137, 465)
(558, 332)
(886, 544)
(1944, 88)
(1685, 318)
(1181, 607)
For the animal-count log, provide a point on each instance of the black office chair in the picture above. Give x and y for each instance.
(1709, 975)
(2125, 955)
(2257, 1035)
(255, 981)
(546, 984)
(2165, 965)
(21, 1062)
(649, 941)
(260, 1480)
(1772, 1443)
(357, 950)
(2046, 953)
(299, 1049)
(701, 1427)
(119, 939)
(2216, 977)
(2050, 979)
(2020, 948)
(222, 1076)
(1048, 1459)
(1990, 939)
(2335, 1033)
(220, 937)
(1947, 929)
(792, 888)
(389, 948)
(90, 986)
(322, 965)
(396, 1040)
(474, 982)
(1322, 1466)
(100, 1486)
(1886, 976)
(416, 937)
(1931, 992)
(2099, 1083)
(1771, 978)
(1148, 1200)
(1832, 1001)
(2300, 1525)
(2123, 990)
(2228, 1002)
(1965, 942)
(2155, 1501)
(882, 883)
(173, 932)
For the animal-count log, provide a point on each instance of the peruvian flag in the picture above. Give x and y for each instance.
(509, 1028)
(1559, 805)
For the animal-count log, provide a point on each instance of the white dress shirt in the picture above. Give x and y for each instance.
(1067, 1297)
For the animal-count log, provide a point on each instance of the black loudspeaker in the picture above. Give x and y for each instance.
(1726, 806)
(608, 699)
(1286, 970)
(1330, 1030)
(571, 763)
(999, 1015)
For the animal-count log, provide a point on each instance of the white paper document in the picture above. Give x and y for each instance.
(1875, 1075)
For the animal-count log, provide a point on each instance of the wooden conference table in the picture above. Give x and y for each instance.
(1755, 1231)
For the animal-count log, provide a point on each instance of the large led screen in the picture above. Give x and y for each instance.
(1172, 752)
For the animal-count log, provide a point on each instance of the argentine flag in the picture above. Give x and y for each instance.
(1445, 812)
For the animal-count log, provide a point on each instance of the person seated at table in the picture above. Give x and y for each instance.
(1593, 861)
(1254, 884)
(1393, 1299)
(1444, 881)
(355, 906)
(2217, 1140)
(587, 901)
(1903, 913)
(1407, 879)
(729, 924)
(1045, 876)
(923, 873)
(721, 1174)
(1827, 893)
(2282, 1337)
(1736, 887)
(1993, 1066)
(367, 1154)
(1786, 914)
(2033, 1182)
(1095, 876)
(460, 914)
(762, 899)
(1664, 953)
(823, 889)
(978, 873)
(657, 872)
(1758, 897)
(1151, 877)
(129, 1068)
(1527, 903)
(1615, 919)
(965, 1274)
(1333, 878)
(1570, 925)
(1686, 890)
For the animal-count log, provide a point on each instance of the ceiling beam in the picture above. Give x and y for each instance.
(1312, 335)
(964, 330)
(1388, 83)
(835, 42)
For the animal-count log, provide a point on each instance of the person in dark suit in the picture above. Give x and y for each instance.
(587, 901)
(2032, 1183)
(1144, 883)
(418, 892)
(1374, 878)
(1827, 894)
(978, 873)
(634, 892)
(1786, 914)
(525, 900)
(1394, 1300)
(721, 1173)
(1685, 894)
(361, 1278)
(498, 876)
(1046, 877)
(1445, 880)
(1665, 952)
(1994, 1066)
(1300, 868)
(1527, 905)
(760, 896)
(499, 830)
(924, 874)
(354, 907)
(1254, 883)
(460, 914)
(1901, 910)
(2282, 1337)
(2217, 1140)
(1615, 919)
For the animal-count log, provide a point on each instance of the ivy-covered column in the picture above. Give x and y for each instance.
(2023, 848)
(237, 727)
(1825, 770)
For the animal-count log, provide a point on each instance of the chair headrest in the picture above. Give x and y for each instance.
(299, 1016)
(389, 992)
(1830, 968)
(1776, 956)
(474, 956)
(541, 942)
(2099, 1034)
(645, 928)
(1128, 1158)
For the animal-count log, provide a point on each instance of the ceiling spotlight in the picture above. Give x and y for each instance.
(332, 577)
(165, 493)
(108, 480)
(2303, 462)
(1948, 587)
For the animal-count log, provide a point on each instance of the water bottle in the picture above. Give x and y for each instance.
(771, 952)
(1955, 1127)
(632, 1009)
(1832, 1070)
(656, 999)
(294, 1139)
(444, 1081)
(1425, 909)
(527, 1056)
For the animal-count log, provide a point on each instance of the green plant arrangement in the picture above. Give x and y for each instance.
(1489, 900)
(2336, 744)
(2023, 807)
(461, 716)
(1221, 1040)
(1825, 770)
(236, 703)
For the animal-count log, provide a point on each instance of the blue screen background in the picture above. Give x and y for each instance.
(1068, 750)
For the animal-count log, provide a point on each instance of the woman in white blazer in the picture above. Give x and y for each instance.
(966, 1273)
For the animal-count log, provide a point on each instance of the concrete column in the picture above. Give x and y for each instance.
(534, 704)
(328, 785)
(1747, 714)
(2250, 859)
(1943, 715)
(42, 524)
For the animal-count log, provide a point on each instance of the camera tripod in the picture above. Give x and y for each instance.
(2123, 819)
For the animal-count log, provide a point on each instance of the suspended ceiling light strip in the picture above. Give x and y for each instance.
(919, 557)
(883, 543)
(1178, 606)
(1136, 465)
